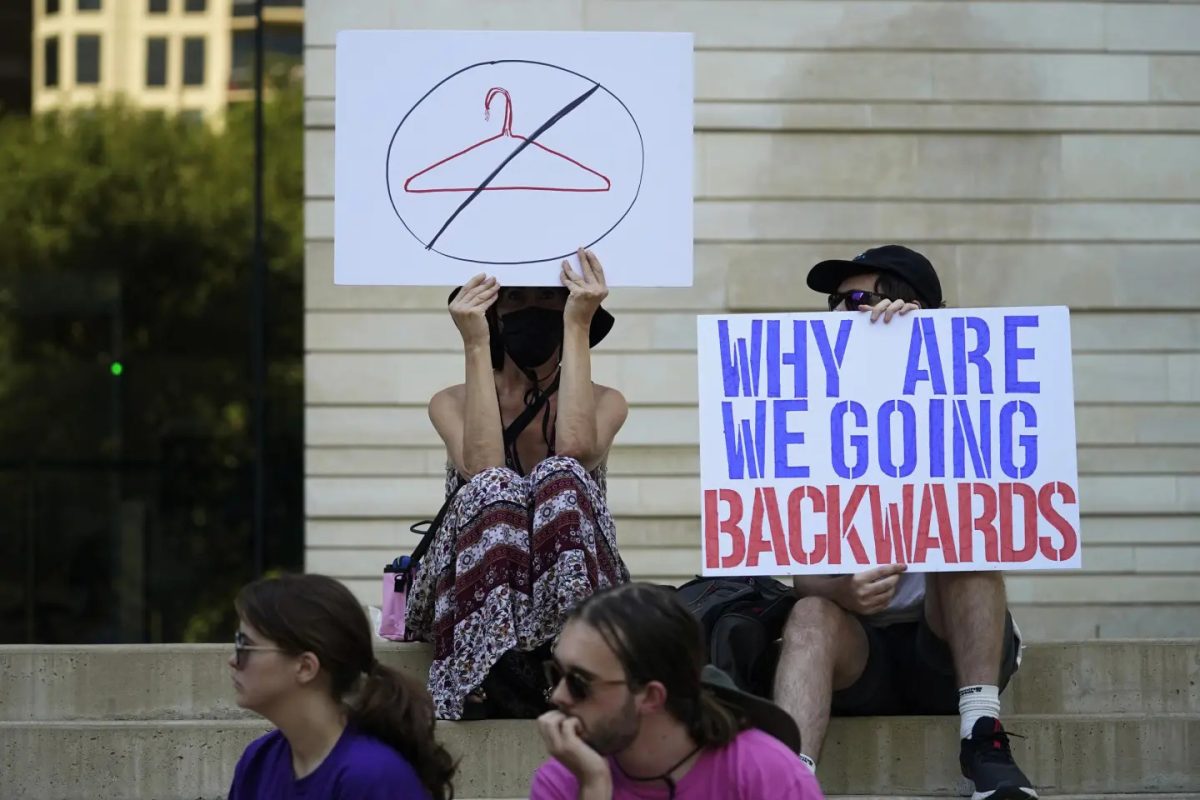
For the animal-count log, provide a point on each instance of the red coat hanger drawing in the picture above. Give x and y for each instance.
(580, 179)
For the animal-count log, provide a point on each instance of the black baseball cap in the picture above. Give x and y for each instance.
(894, 259)
(759, 712)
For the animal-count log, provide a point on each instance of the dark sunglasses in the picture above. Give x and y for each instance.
(242, 650)
(855, 298)
(578, 686)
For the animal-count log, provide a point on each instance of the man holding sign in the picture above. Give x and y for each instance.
(894, 460)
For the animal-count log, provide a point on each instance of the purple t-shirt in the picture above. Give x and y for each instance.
(360, 767)
(754, 766)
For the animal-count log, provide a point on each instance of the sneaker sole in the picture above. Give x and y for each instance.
(1006, 793)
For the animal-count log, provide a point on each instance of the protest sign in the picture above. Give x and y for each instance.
(460, 152)
(944, 440)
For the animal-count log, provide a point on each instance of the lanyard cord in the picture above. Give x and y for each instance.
(666, 776)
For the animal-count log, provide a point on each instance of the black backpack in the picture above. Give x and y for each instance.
(741, 618)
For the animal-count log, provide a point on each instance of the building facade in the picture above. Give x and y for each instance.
(193, 57)
(1041, 153)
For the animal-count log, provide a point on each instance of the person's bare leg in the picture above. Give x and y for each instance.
(824, 649)
(966, 610)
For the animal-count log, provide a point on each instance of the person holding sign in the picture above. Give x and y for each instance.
(526, 532)
(640, 715)
(887, 641)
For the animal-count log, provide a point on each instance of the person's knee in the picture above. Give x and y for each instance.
(555, 466)
(493, 483)
(812, 617)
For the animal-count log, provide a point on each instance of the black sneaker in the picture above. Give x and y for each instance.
(987, 761)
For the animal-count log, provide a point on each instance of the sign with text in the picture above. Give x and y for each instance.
(944, 440)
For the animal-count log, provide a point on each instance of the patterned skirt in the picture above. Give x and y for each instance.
(513, 556)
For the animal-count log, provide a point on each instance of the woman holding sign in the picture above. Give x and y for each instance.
(526, 532)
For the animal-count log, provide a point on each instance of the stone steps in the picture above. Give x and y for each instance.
(177, 681)
(1101, 719)
(1078, 754)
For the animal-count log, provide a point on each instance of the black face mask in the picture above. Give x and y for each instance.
(532, 335)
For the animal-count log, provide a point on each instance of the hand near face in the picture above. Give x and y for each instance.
(561, 736)
(889, 308)
(587, 291)
(469, 308)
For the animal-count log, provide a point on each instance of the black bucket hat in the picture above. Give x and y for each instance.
(602, 321)
(906, 264)
(760, 712)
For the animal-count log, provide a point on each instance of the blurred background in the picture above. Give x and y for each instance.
(128, 315)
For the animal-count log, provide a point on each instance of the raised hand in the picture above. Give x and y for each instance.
(587, 291)
(469, 308)
(889, 308)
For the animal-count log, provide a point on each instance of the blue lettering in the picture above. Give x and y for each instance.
(858, 442)
(965, 439)
(739, 368)
(1028, 442)
(976, 356)
(924, 337)
(832, 356)
(908, 419)
(1014, 355)
(784, 437)
(746, 451)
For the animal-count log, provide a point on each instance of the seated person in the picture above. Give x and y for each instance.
(526, 533)
(885, 641)
(641, 716)
(347, 727)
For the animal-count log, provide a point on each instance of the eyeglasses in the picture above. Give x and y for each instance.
(578, 686)
(241, 650)
(855, 298)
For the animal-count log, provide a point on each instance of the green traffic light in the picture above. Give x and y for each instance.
(117, 368)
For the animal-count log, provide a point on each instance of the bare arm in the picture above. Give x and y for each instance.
(867, 592)
(589, 416)
(468, 417)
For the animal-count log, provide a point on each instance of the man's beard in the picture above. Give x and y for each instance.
(616, 733)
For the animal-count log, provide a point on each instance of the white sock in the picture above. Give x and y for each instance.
(975, 702)
(808, 762)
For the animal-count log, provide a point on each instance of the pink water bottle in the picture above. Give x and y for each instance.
(395, 599)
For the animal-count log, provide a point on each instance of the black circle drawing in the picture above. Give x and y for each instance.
(603, 228)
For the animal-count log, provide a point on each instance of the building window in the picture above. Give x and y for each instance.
(50, 59)
(195, 6)
(193, 61)
(156, 61)
(89, 5)
(51, 6)
(87, 59)
(159, 6)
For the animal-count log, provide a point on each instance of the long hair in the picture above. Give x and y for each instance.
(317, 614)
(656, 638)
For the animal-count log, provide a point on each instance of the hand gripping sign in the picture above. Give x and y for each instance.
(944, 440)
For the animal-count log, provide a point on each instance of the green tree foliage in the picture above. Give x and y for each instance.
(125, 237)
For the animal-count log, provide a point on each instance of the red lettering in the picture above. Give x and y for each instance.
(901, 532)
(713, 524)
(1050, 513)
(933, 501)
(841, 525)
(766, 498)
(1029, 517)
(795, 529)
(985, 523)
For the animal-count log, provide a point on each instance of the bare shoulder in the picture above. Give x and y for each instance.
(449, 398)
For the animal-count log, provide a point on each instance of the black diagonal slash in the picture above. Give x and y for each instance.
(547, 125)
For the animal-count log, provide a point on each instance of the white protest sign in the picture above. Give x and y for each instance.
(460, 152)
(944, 440)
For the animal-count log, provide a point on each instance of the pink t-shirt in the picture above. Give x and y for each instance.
(754, 766)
